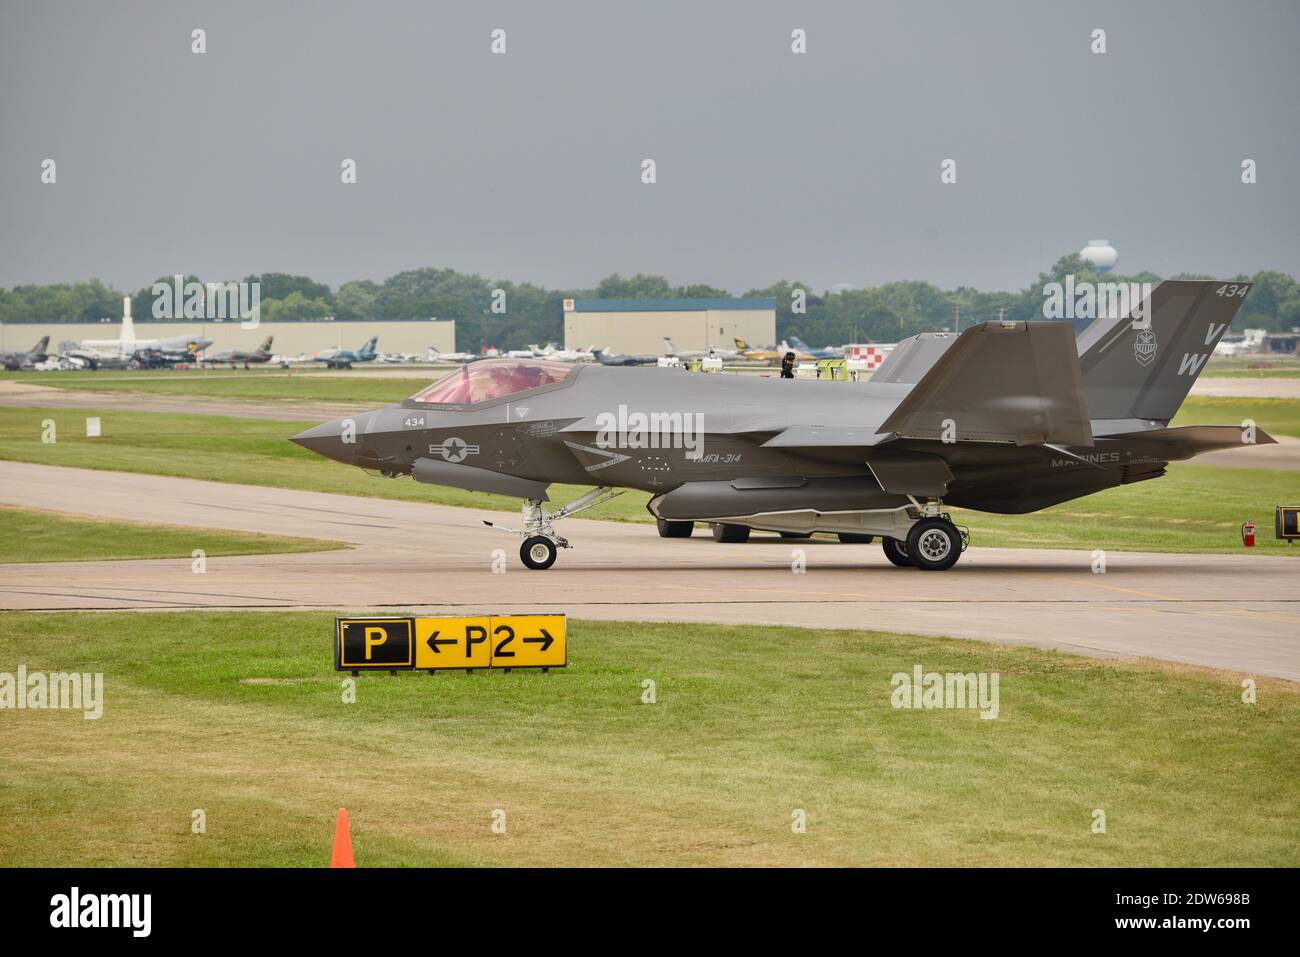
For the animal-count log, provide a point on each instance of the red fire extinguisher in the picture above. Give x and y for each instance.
(1248, 534)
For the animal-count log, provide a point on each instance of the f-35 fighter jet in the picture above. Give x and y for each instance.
(1007, 417)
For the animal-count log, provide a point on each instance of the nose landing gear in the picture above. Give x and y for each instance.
(538, 552)
(541, 544)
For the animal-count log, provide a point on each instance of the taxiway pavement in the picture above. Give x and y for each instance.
(1239, 612)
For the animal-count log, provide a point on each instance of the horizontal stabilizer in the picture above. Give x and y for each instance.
(1185, 441)
(1000, 382)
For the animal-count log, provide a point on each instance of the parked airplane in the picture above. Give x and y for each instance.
(77, 356)
(767, 355)
(552, 351)
(126, 344)
(233, 357)
(607, 358)
(803, 350)
(14, 361)
(713, 352)
(343, 358)
(433, 355)
(1007, 417)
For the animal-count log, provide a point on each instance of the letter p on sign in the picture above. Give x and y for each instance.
(374, 636)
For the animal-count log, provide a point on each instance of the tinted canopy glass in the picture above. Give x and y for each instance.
(490, 379)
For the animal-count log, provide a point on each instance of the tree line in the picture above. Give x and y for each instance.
(511, 315)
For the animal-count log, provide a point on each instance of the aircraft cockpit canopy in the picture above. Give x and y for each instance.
(490, 379)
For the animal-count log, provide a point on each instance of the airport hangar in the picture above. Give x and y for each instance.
(638, 326)
(291, 338)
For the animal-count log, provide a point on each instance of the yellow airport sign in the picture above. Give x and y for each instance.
(453, 643)
(529, 641)
(448, 643)
(384, 643)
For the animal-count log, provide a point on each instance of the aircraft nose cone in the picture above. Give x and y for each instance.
(327, 440)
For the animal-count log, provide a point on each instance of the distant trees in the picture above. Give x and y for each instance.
(511, 315)
(78, 302)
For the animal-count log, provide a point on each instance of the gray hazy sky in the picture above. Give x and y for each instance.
(822, 167)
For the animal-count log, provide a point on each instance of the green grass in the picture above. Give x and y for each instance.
(32, 535)
(250, 384)
(225, 449)
(1275, 416)
(1195, 508)
(240, 714)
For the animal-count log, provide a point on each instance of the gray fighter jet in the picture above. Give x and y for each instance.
(1007, 417)
(15, 361)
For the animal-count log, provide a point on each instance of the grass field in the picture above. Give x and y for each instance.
(33, 535)
(242, 716)
(1275, 416)
(1195, 508)
(242, 384)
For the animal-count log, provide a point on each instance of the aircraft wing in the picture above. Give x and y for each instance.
(1000, 382)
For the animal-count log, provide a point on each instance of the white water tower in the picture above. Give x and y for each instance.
(1100, 253)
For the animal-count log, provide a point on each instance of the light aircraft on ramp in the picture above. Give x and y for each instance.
(343, 358)
(1007, 417)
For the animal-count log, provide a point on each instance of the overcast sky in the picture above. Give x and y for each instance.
(822, 167)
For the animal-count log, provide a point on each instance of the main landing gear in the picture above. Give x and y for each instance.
(921, 535)
(541, 545)
(933, 544)
(668, 529)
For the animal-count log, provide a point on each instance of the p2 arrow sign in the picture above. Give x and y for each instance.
(451, 643)
(529, 641)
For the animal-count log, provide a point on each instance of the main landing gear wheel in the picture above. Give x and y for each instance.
(669, 529)
(934, 544)
(730, 534)
(896, 552)
(538, 552)
(855, 538)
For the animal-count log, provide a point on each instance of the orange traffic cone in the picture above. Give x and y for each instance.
(341, 856)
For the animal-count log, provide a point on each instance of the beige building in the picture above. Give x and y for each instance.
(638, 326)
(291, 338)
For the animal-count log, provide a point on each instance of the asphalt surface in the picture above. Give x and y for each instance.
(1239, 612)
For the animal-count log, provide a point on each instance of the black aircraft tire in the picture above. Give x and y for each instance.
(796, 534)
(934, 544)
(896, 552)
(668, 529)
(538, 553)
(855, 538)
(730, 534)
